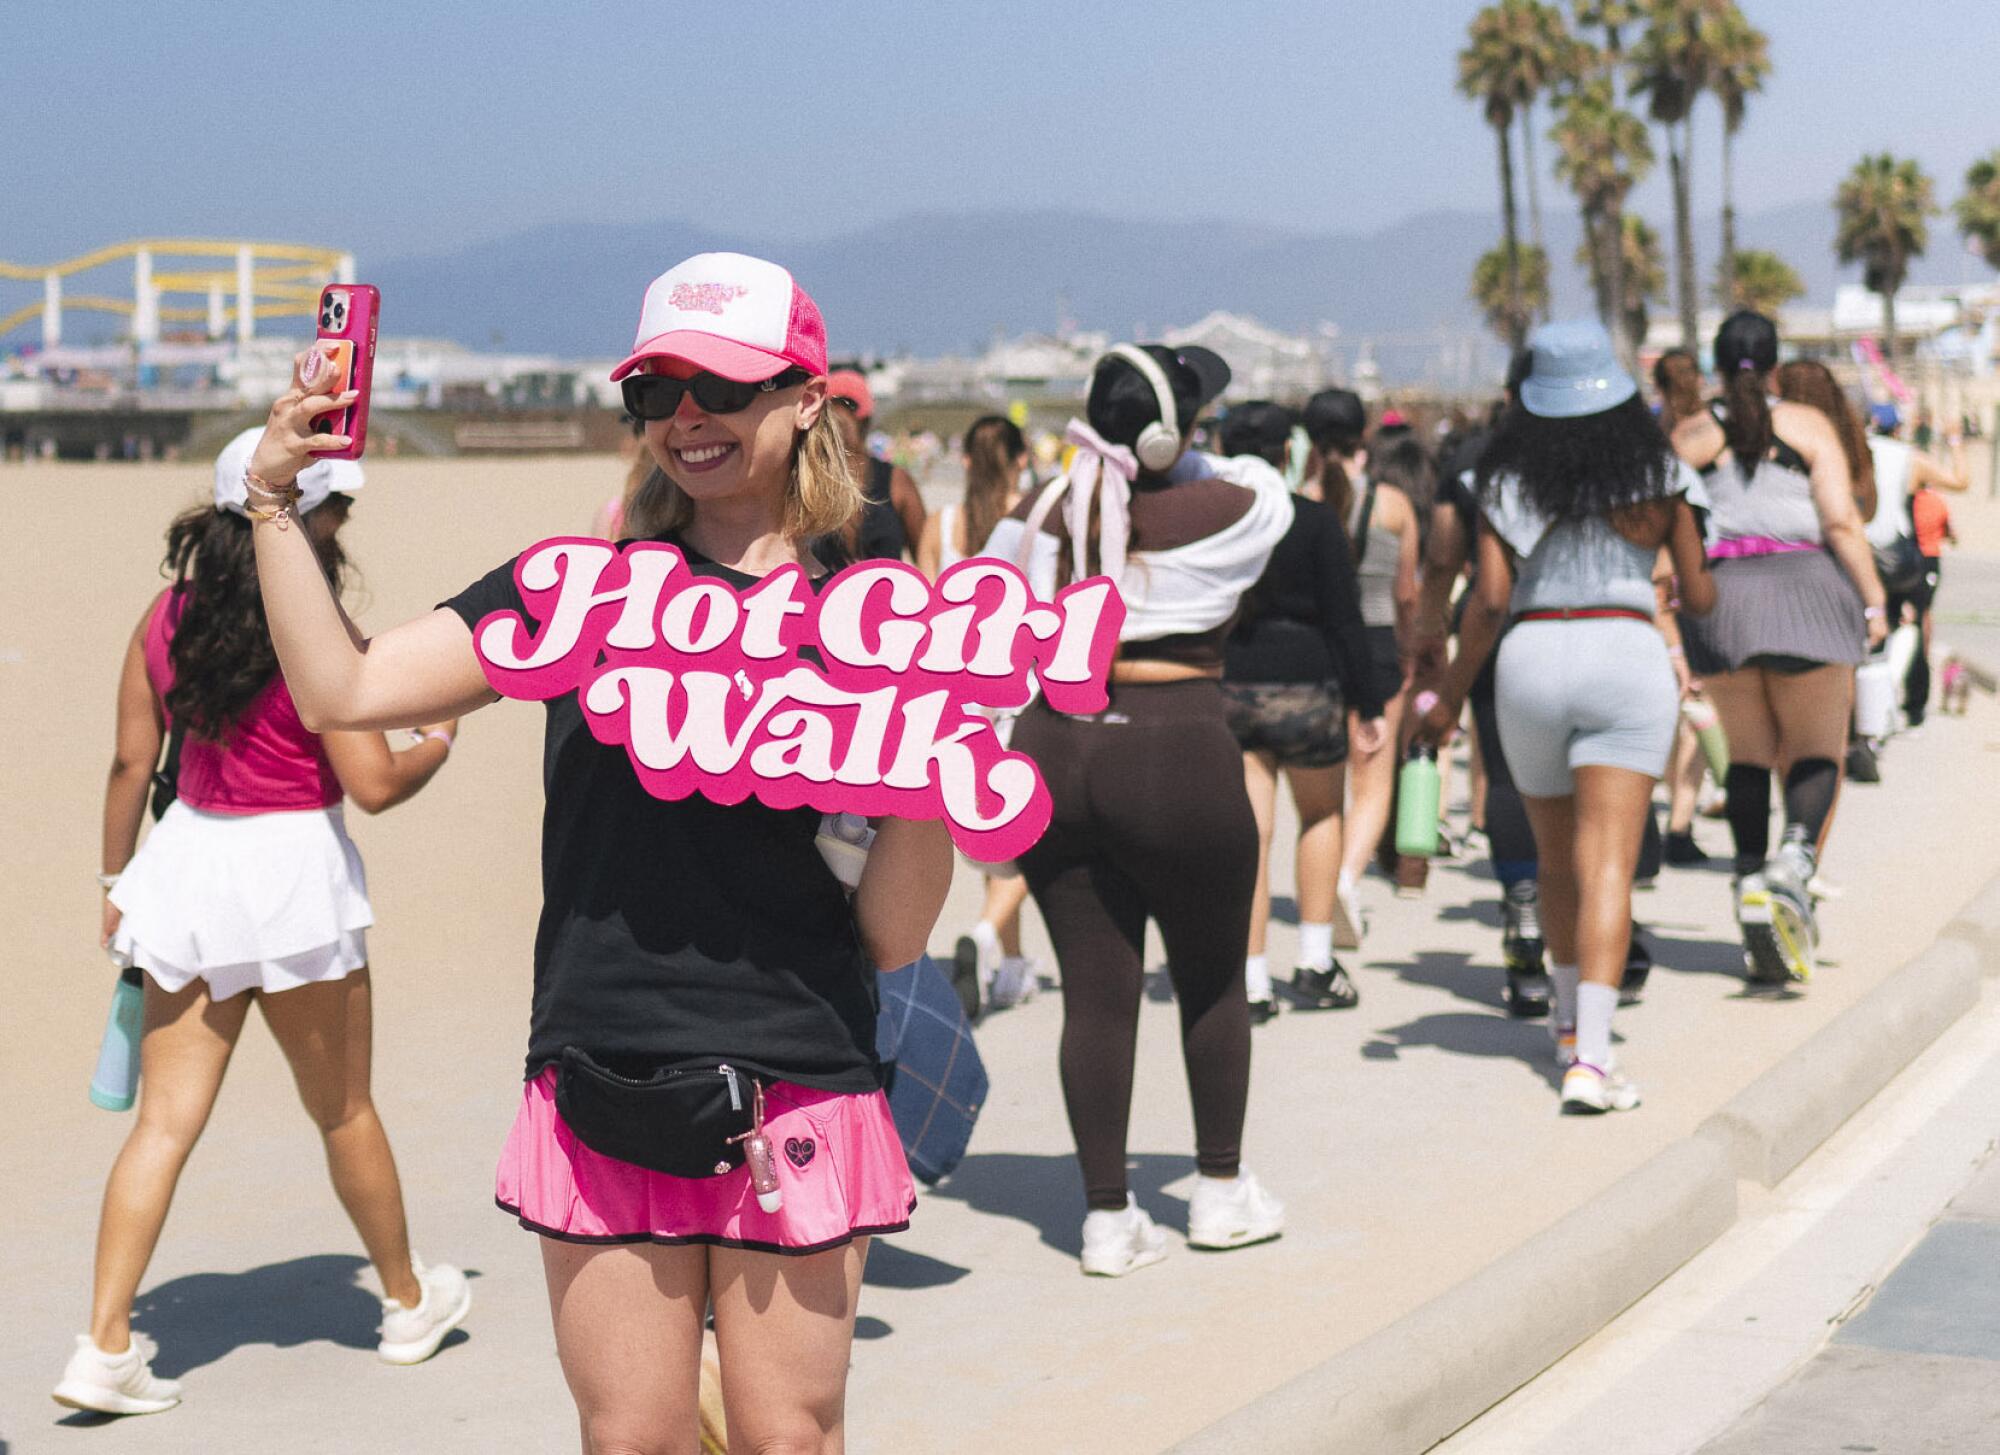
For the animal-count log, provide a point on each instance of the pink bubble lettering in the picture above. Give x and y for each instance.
(870, 696)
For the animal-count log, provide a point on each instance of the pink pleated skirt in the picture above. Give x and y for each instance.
(840, 1165)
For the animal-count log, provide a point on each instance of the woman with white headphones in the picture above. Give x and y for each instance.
(1151, 819)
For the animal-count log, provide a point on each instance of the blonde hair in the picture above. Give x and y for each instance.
(822, 499)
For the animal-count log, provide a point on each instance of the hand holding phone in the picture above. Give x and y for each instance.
(347, 321)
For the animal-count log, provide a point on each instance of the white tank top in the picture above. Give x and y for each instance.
(1892, 491)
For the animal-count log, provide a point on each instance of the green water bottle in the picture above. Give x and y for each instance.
(1417, 803)
(1707, 725)
(115, 1084)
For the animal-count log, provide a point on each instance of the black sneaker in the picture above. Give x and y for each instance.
(965, 975)
(1527, 993)
(1263, 1012)
(1521, 951)
(1323, 989)
(1638, 966)
(1681, 849)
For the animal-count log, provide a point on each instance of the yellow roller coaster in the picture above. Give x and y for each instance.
(267, 280)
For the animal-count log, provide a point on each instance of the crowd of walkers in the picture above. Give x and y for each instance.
(1583, 585)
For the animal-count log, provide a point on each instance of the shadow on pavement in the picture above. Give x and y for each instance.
(1706, 956)
(892, 1266)
(199, 1319)
(1047, 1192)
(1464, 1034)
(1449, 970)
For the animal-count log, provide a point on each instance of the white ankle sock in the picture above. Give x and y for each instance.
(1316, 945)
(1564, 979)
(1257, 977)
(1594, 1005)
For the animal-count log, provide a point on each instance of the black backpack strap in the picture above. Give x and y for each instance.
(167, 777)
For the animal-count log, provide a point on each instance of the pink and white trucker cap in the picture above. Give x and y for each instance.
(736, 316)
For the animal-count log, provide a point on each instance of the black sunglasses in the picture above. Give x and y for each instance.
(655, 396)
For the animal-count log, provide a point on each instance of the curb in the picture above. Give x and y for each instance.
(1436, 1369)
(1775, 1122)
(1978, 925)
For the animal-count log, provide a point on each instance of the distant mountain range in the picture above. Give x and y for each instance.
(936, 283)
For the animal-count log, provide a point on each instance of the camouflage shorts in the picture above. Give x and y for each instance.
(1301, 724)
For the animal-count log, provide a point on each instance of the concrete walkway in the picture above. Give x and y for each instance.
(1415, 1138)
(1918, 1369)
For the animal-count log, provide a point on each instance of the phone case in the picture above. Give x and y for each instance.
(348, 311)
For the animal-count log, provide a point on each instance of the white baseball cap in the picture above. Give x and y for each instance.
(730, 314)
(317, 481)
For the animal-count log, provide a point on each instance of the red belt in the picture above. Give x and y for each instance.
(1586, 613)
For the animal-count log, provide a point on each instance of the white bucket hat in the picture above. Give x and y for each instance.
(317, 481)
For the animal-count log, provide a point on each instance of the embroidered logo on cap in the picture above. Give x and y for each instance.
(705, 297)
(800, 1151)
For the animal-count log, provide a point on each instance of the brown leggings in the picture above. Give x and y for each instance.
(1151, 821)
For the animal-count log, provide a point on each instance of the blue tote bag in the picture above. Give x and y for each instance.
(930, 1066)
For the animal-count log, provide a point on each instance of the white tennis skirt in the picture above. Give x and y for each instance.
(262, 901)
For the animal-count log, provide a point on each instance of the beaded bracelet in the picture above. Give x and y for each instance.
(283, 498)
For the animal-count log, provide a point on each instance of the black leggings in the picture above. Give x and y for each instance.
(1151, 822)
(1510, 837)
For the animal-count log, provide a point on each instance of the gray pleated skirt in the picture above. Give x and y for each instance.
(1799, 606)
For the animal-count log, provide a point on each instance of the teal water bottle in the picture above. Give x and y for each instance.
(115, 1085)
(1417, 791)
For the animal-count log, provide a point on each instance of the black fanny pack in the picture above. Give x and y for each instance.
(686, 1121)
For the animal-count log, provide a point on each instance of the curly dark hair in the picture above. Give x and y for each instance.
(1571, 469)
(221, 650)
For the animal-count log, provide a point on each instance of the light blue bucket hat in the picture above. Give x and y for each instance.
(1575, 371)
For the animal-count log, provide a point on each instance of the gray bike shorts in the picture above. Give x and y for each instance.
(1578, 694)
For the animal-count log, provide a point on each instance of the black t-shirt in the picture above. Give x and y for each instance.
(1301, 622)
(677, 931)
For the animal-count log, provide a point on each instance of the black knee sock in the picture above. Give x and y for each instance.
(1749, 790)
(1809, 789)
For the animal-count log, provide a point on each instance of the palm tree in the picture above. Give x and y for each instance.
(1602, 154)
(1515, 50)
(1978, 211)
(1669, 67)
(1511, 288)
(1739, 60)
(1882, 206)
(1644, 269)
(1763, 281)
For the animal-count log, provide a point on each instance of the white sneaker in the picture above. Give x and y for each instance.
(1232, 1214)
(1347, 918)
(412, 1335)
(1588, 1090)
(1014, 982)
(1115, 1243)
(115, 1384)
(986, 941)
(1564, 1040)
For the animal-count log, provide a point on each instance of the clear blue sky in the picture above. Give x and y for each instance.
(399, 128)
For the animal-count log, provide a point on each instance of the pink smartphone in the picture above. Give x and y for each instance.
(347, 313)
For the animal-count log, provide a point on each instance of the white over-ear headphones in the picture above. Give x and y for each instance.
(1159, 443)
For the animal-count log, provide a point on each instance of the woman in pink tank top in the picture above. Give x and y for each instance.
(247, 889)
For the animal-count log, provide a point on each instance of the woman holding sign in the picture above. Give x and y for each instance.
(1151, 818)
(699, 967)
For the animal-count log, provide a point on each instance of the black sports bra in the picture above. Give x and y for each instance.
(1781, 454)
